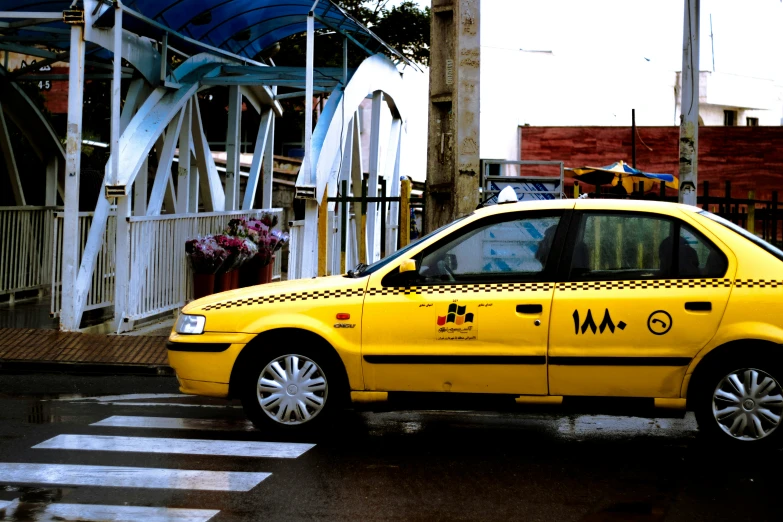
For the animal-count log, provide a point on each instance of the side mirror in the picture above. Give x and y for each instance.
(408, 273)
(409, 265)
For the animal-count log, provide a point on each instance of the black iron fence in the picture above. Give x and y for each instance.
(759, 216)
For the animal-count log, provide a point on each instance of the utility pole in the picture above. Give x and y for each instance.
(689, 104)
(453, 171)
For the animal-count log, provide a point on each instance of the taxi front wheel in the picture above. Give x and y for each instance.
(741, 403)
(291, 391)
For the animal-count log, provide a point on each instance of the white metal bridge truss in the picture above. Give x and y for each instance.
(115, 254)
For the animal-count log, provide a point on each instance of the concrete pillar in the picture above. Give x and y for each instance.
(689, 105)
(69, 318)
(453, 172)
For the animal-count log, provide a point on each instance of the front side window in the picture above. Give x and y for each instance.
(506, 250)
(639, 246)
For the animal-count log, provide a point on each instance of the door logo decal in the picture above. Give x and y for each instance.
(589, 323)
(456, 325)
(456, 314)
(659, 322)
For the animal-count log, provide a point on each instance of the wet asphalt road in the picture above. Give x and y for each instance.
(412, 465)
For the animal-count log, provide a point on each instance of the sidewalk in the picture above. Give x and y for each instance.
(32, 348)
(30, 341)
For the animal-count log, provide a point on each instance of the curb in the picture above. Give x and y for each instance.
(84, 368)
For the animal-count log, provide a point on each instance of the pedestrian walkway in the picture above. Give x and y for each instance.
(93, 463)
(30, 338)
(33, 345)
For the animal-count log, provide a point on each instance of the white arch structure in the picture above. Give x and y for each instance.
(160, 119)
(336, 155)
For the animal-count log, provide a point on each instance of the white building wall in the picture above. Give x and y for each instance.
(594, 71)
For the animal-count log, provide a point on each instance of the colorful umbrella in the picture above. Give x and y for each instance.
(620, 173)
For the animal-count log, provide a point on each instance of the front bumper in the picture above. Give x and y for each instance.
(204, 362)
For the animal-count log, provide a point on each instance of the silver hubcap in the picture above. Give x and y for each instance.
(292, 389)
(748, 404)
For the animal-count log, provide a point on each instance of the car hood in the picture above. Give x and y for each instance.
(271, 289)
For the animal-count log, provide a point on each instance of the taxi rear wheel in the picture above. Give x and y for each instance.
(741, 403)
(292, 390)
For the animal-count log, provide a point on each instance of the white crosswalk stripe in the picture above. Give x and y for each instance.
(7, 507)
(127, 477)
(105, 513)
(75, 475)
(128, 397)
(170, 404)
(225, 448)
(174, 423)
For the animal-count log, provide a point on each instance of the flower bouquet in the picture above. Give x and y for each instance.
(239, 249)
(206, 257)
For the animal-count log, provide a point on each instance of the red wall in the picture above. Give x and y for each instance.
(750, 157)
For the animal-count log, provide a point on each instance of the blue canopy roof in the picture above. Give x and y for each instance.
(241, 27)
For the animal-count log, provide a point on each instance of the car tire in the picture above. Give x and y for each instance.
(293, 390)
(740, 401)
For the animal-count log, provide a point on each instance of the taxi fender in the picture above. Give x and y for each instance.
(349, 353)
(744, 331)
(737, 332)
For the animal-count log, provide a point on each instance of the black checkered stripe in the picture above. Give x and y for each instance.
(757, 283)
(287, 298)
(461, 289)
(646, 284)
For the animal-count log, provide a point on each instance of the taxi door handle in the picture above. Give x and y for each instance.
(529, 309)
(699, 306)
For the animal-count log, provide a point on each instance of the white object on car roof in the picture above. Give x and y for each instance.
(507, 195)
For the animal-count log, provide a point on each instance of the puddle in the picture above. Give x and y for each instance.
(41, 413)
(30, 503)
(630, 511)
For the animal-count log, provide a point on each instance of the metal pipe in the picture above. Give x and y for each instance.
(310, 56)
(633, 138)
(116, 96)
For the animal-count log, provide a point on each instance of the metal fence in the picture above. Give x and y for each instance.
(25, 248)
(759, 216)
(160, 279)
(101, 294)
(295, 248)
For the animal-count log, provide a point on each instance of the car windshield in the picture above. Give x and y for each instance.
(363, 270)
(744, 233)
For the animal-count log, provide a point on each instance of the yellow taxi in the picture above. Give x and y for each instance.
(542, 301)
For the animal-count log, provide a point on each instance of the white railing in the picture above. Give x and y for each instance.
(160, 279)
(25, 248)
(101, 292)
(334, 258)
(295, 248)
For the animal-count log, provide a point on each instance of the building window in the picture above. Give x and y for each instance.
(752, 122)
(729, 118)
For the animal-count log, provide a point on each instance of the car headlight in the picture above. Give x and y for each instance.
(190, 324)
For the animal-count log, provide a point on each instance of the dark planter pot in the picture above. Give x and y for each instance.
(224, 281)
(253, 274)
(266, 272)
(203, 285)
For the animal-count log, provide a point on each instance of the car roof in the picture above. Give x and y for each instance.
(595, 204)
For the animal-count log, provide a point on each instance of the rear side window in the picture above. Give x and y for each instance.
(622, 246)
(617, 246)
(699, 257)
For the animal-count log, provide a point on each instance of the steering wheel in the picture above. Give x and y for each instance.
(445, 272)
